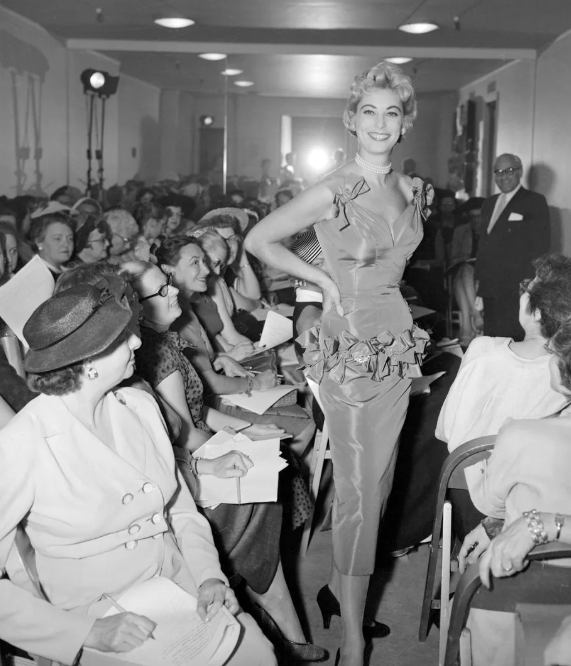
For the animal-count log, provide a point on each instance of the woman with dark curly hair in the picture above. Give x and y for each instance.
(369, 220)
(52, 237)
(501, 379)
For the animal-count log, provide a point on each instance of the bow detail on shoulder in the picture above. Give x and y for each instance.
(354, 186)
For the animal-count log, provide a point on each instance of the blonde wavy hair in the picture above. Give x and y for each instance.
(384, 76)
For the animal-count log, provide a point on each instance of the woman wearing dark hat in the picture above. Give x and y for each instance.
(91, 474)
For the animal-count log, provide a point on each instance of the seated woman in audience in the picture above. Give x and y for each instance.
(151, 218)
(247, 535)
(12, 248)
(124, 232)
(500, 378)
(526, 475)
(84, 208)
(184, 259)
(81, 523)
(51, 237)
(92, 241)
(465, 240)
(211, 307)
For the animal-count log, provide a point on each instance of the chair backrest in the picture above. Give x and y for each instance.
(470, 583)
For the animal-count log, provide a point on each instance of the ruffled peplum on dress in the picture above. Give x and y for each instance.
(364, 360)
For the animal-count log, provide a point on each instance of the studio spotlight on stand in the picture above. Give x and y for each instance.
(96, 85)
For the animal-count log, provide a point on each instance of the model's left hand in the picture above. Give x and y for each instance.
(506, 554)
(230, 367)
(212, 595)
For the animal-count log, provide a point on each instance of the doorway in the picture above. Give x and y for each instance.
(211, 148)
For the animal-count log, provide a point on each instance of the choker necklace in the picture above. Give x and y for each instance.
(384, 170)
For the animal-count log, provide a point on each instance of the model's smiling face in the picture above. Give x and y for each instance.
(378, 121)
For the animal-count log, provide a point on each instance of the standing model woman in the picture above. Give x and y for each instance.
(368, 220)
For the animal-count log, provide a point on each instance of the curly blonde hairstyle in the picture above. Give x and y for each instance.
(384, 76)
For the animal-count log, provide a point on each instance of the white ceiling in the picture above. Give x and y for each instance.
(309, 48)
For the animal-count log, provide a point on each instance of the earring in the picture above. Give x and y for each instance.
(92, 373)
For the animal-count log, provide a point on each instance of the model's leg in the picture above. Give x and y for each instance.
(278, 603)
(253, 649)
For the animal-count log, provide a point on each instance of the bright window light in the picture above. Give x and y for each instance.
(212, 56)
(317, 159)
(397, 60)
(244, 84)
(418, 28)
(174, 22)
(232, 72)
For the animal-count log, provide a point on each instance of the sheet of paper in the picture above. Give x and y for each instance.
(260, 401)
(418, 311)
(277, 330)
(181, 637)
(20, 296)
(422, 384)
(260, 484)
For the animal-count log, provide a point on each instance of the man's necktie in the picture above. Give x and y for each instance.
(498, 210)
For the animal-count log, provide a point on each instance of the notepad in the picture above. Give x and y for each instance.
(261, 313)
(260, 484)
(277, 330)
(22, 294)
(181, 637)
(260, 401)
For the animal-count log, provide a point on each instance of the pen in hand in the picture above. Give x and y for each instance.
(120, 608)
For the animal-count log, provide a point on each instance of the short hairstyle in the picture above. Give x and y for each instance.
(58, 382)
(514, 158)
(219, 222)
(209, 240)
(169, 251)
(144, 212)
(8, 230)
(39, 226)
(384, 76)
(84, 274)
(121, 222)
(134, 272)
(550, 293)
(560, 345)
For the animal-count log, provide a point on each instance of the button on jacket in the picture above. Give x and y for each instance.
(100, 519)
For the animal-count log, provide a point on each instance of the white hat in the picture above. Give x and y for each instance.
(50, 208)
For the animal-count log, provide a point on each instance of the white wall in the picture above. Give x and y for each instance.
(534, 122)
(36, 67)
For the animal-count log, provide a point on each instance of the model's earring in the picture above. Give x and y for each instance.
(92, 373)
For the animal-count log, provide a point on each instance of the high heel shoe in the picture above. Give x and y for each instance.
(329, 606)
(285, 648)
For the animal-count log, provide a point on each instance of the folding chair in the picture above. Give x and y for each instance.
(452, 476)
(321, 453)
(505, 595)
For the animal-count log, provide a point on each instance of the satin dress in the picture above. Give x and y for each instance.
(364, 360)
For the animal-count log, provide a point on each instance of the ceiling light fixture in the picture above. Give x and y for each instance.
(174, 22)
(212, 56)
(397, 60)
(418, 28)
(231, 72)
(244, 84)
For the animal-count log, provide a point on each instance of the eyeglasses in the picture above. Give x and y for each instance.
(103, 240)
(162, 292)
(506, 172)
(524, 286)
(125, 240)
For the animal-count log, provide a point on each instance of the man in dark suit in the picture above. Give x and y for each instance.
(515, 230)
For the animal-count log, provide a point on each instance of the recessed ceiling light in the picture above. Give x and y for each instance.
(244, 84)
(232, 72)
(174, 22)
(397, 60)
(418, 28)
(212, 56)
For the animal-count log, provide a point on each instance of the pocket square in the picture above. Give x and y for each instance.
(515, 217)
